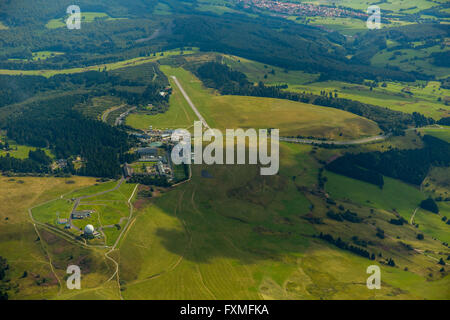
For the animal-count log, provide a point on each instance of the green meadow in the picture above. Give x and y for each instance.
(19, 151)
(395, 195)
(404, 97)
(270, 75)
(443, 132)
(412, 60)
(86, 17)
(212, 239)
(398, 6)
(426, 98)
(292, 118)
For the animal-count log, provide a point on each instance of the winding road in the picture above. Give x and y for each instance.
(341, 143)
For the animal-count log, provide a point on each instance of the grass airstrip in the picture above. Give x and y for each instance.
(223, 112)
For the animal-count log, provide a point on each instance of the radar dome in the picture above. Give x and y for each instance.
(89, 229)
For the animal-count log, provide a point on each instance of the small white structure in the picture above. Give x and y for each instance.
(89, 230)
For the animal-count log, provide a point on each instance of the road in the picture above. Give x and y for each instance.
(341, 143)
(189, 101)
(107, 112)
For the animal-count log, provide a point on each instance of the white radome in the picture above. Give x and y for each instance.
(89, 229)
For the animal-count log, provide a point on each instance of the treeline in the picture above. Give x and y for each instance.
(4, 266)
(148, 180)
(346, 246)
(430, 205)
(411, 166)
(227, 81)
(444, 121)
(37, 162)
(54, 125)
(347, 215)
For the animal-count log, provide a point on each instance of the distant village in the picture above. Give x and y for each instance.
(301, 9)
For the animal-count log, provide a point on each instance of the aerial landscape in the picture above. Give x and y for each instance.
(224, 150)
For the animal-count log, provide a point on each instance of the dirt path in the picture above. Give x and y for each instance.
(411, 221)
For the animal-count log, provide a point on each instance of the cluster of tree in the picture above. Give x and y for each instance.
(411, 166)
(441, 59)
(347, 215)
(4, 146)
(149, 180)
(361, 242)
(430, 205)
(367, 45)
(444, 121)
(398, 222)
(228, 81)
(3, 268)
(380, 233)
(346, 246)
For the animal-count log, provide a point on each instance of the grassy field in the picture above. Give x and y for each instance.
(292, 118)
(19, 151)
(86, 17)
(437, 183)
(412, 60)
(398, 6)
(42, 55)
(110, 209)
(423, 99)
(19, 242)
(442, 133)
(426, 98)
(179, 115)
(109, 66)
(257, 71)
(237, 235)
(395, 195)
(347, 26)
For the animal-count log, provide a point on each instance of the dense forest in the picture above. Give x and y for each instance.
(54, 125)
(227, 81)
(411, 166)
